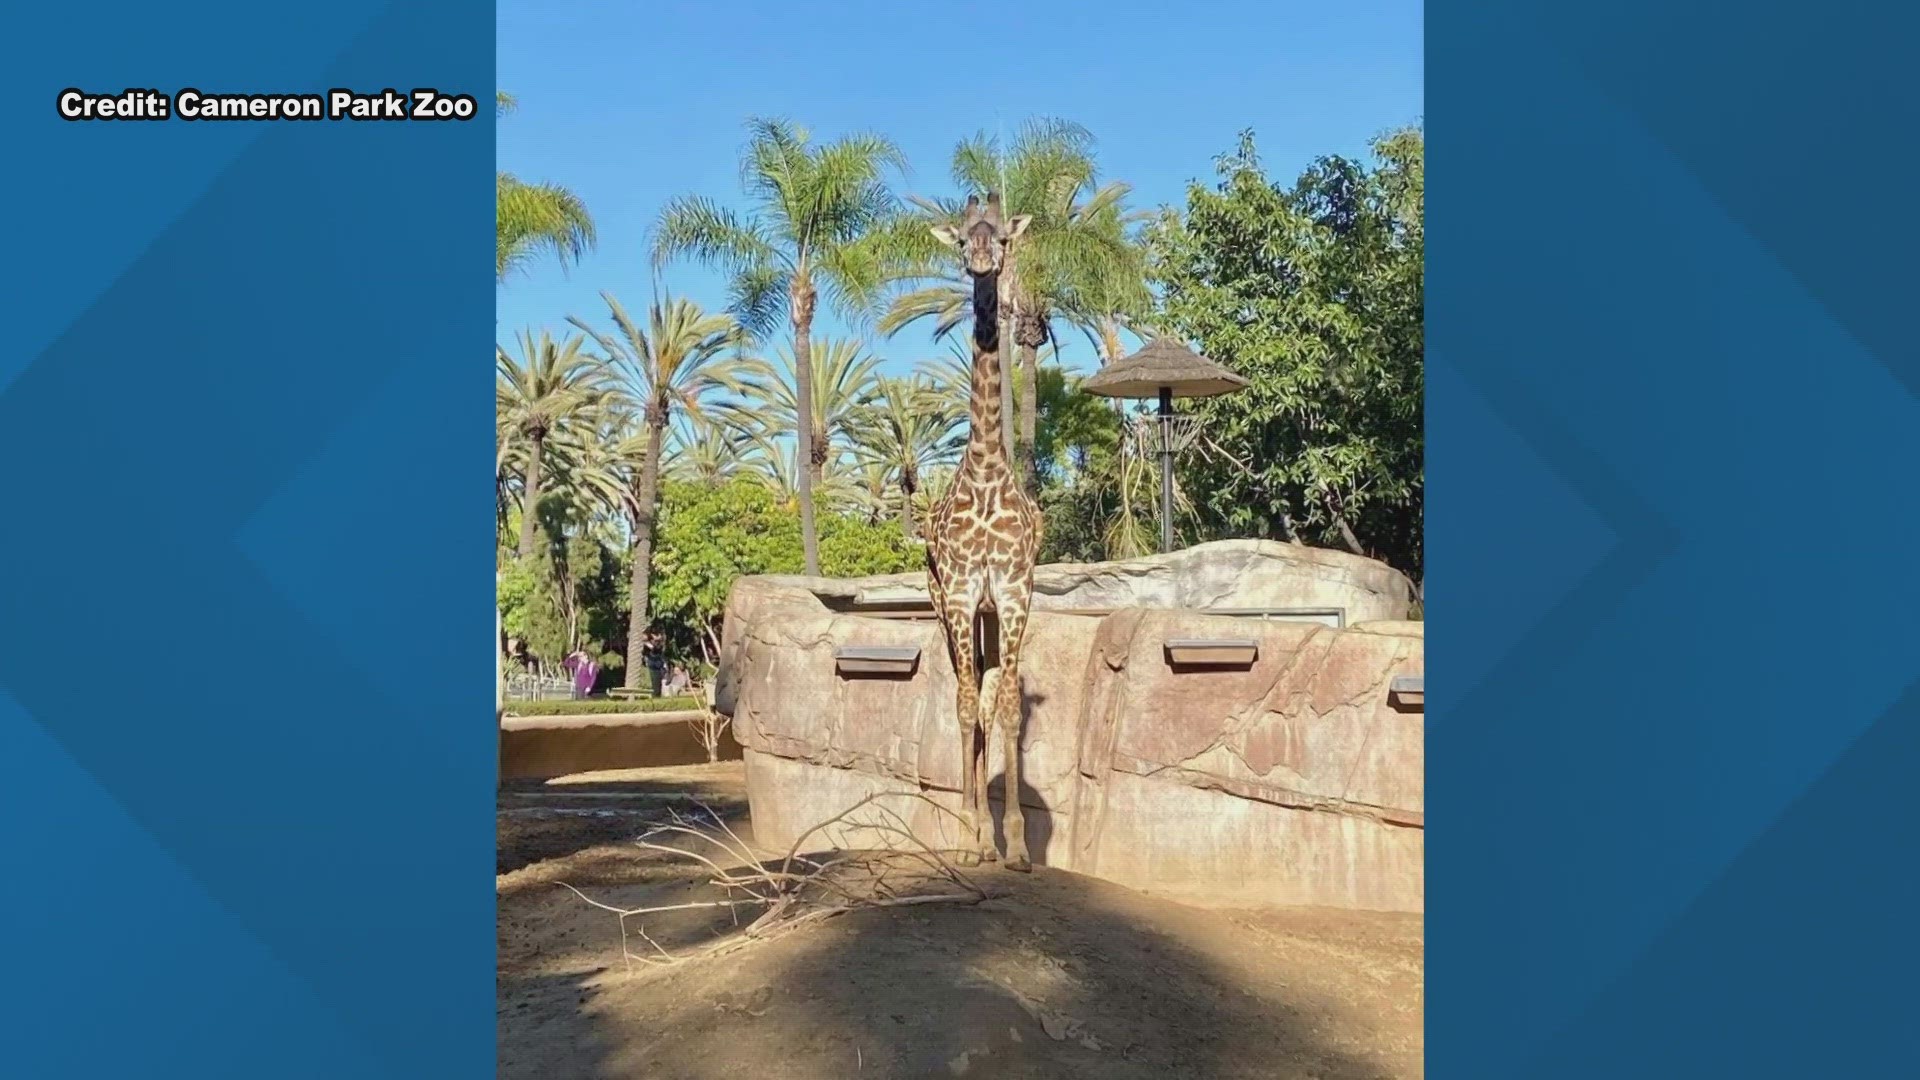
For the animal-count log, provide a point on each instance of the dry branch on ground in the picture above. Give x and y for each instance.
(797, 889)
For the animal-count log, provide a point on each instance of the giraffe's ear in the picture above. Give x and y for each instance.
(946, 234)
(1017, 225)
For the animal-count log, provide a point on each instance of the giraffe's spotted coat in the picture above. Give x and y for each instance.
(982, 540)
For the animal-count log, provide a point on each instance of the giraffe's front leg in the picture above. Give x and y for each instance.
(959, 626)
(1006, 719)
(983, 809)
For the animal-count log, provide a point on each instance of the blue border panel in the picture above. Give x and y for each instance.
(246, 753)
(1672, 424)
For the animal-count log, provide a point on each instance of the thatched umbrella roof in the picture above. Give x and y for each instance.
(1165, 362)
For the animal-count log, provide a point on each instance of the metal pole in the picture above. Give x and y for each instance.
(1166, 468)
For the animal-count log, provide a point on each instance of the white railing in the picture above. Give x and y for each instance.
(538, 688)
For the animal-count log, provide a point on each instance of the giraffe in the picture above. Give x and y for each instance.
(982, 537)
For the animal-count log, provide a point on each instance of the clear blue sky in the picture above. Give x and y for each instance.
(632, 103)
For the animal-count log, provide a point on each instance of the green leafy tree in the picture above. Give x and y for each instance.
(854, 546)
(1314, 292)
(532, 220)
(675, 364)
(713, 534)
(1077, 432)
(819, 221)
(513, 591)
(564, 597)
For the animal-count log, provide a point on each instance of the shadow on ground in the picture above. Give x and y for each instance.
(593, 816)
(1059, 976)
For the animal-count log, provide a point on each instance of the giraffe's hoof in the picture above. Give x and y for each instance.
(987, 854)
(1019, 864)
(967, 858)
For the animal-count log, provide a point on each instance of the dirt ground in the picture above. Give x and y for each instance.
(1056, 976)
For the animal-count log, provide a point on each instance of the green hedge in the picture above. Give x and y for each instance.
(600, 705)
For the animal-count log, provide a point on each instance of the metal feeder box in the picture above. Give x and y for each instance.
(1212, 652)
(876, 659)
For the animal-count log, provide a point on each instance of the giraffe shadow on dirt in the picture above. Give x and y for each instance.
(1039, 813)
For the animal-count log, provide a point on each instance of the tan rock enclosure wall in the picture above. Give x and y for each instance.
(1295, 779)
(543, 747)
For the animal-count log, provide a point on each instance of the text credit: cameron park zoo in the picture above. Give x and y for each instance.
(423, 103)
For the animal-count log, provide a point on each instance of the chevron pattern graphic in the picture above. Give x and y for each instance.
(1666, 406)
(246, 555)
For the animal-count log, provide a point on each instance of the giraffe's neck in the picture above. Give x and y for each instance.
(983, 408)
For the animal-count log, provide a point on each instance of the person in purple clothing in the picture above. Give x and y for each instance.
(584, 671)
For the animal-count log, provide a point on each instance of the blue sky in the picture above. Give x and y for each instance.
(632, 103)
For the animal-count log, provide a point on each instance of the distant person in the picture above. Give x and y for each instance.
(584, 671)
(679, 682)
(653, 649)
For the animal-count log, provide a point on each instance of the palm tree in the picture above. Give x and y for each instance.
(907, 427)
(709, 450)
(1076, 260)
(820, 221)
(842, 377)
(551, 387)
(876, 483)
(951, 376)
(776, 466)
(531, 220)
(676, 363)
(595, 465)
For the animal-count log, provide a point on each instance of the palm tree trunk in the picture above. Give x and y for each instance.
(1029, 411)
(1009, 427)
(800, 301)
(645, 510)
(1008, 283)
(530, 496)
(817, 460)
(1024, 364)
(1030, 333)
(1110, 334)
(909, 485)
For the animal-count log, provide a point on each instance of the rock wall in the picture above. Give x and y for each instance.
(1290, 780)
(1225, 574)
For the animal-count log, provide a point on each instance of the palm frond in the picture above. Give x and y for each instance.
(536, 219)
(710, 233)
(946, 304)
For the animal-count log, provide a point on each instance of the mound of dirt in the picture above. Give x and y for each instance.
(1056, 976)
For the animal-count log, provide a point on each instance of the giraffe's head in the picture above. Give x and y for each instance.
(983, 235)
